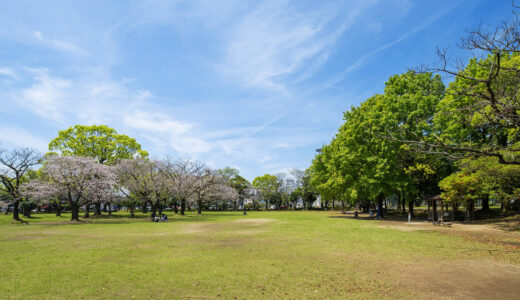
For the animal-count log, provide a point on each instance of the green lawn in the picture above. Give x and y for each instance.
(226, 255)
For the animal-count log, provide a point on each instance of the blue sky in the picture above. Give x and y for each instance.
(257, 85)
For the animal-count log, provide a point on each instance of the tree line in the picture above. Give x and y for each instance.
(421, 137)
(91, 167)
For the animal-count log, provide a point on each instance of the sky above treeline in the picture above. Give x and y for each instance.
(257, 85)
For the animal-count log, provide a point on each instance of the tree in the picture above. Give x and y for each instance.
(181, 175)
(14, 165)
(223, 192)
(136, 181)
(80, 180)
(268, 186)
(304, 188)
(479, 115)
(241, 186)
(461, 187)
(205, 184)
(97, 141)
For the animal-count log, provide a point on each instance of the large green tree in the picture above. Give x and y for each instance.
(97, 141)
(267, 185)
(367, 161)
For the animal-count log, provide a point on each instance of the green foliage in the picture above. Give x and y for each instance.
(97, 141)
(366, 160)
(267, 185)
(460, 187)
(479, 115)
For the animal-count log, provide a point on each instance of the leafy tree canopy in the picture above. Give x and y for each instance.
(97, 141)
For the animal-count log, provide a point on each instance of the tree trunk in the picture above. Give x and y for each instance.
(109, 209)
(434, 207)
(403, 205)
(97, 209)
(199, 207)
(160, 209)
(485, 202)
(183, 206)
(410, 207)
(175, 207)
(58, 209)
(154, 210)
(16, 211)
(266, 204)
(380, 213)
(471, 210)
(26, 212)
(87, 211)
(132, 211)
(75, 212)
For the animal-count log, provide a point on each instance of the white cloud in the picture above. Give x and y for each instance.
(176, 134)
(13, 136)
(360, 61)
(276, 40)
(45, 96)
(156, 122)
(8, 72)
(59, 44)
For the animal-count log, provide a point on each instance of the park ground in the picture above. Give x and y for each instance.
(283, 255)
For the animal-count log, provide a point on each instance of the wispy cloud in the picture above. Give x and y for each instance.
(59, 44)
(276, 40)
(9, 72)
(341, 76)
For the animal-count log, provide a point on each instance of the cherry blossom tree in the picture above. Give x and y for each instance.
(79, 180)
(14, 164)
(180, 174)
(205, 180)
(136, 181)
(222, 192)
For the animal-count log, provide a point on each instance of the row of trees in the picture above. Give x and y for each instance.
(83, 181)
(285, 189)
(94, 166)
(420, 138)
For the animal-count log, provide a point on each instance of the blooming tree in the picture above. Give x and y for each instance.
(78, 180)
(14, 165)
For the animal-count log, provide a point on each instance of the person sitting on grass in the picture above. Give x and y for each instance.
(165, 218)
(156, 219)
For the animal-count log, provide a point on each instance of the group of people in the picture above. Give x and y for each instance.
(162, 218)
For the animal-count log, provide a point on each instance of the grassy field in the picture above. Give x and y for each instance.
(263, 255)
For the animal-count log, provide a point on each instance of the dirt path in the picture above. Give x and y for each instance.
(469, 279)
(487, 232)
(460, 280)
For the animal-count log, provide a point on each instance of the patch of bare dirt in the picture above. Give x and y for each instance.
(202, 228)
(243, 226)
(254, 221)
(460, 280)
(487, 233)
